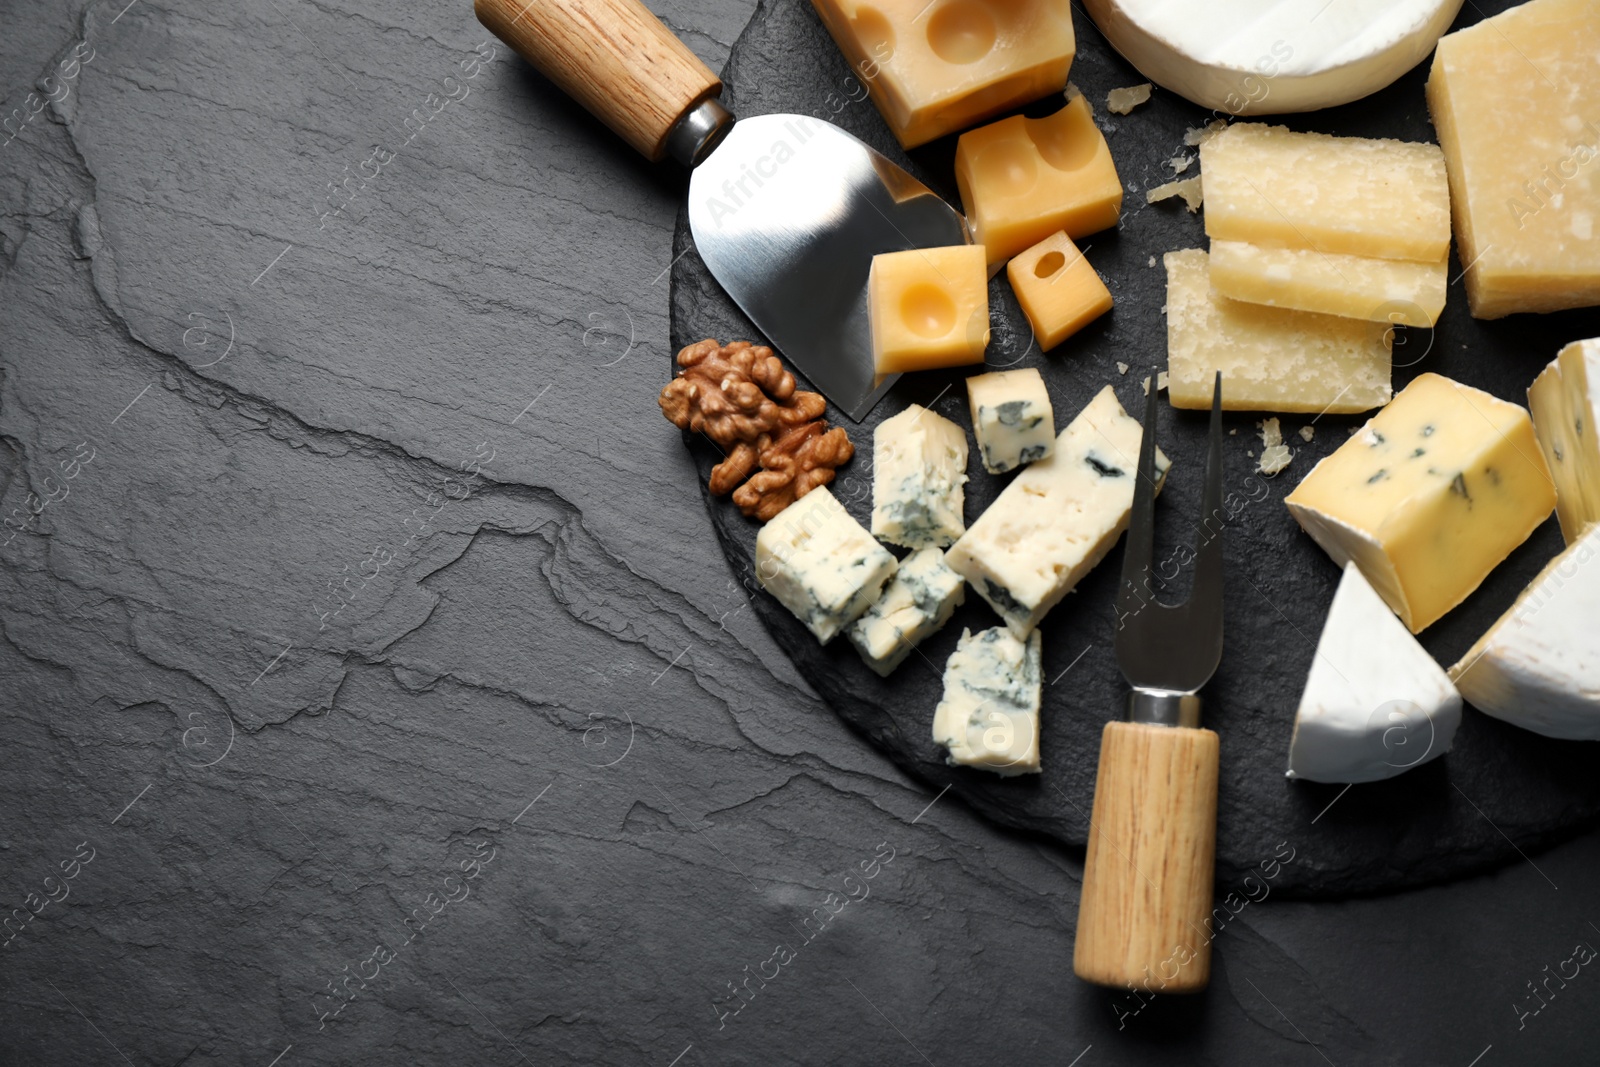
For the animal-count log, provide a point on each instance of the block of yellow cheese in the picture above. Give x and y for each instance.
(1058, 290)
(1271, 359)
(929, 307)
(1429, 496)
(936, 67)
(1516, 102)
(1399, 292)
(1358, 196)
(1565, 402)
(1023, 179)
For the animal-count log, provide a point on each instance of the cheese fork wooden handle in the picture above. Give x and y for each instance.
(612, 56)
(1143, 920)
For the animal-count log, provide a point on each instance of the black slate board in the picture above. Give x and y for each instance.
(1499, 793)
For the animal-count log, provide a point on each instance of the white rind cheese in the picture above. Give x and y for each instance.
(821, 563)
(1565, 403)
(989, 714)
(1375, 703)
(1011, 418)
(919, 464)
(1057, 519)
(1539, 664)
(920, 600)
(1272, 57)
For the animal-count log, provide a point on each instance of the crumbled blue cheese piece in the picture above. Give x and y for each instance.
(1057, 519)
(821, 563)
(919, 464)
(921, 599)
(1011, 418)
(989, 714)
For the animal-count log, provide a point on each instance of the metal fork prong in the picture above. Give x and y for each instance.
(1206, 597)
(1137, 555)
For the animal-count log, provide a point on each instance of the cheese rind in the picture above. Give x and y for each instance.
(1539, 664)
(1375, 702)
(988, 716)
(1271, 359)
(1057, 518)
(919, 465)
(1023, 179)
(821, 564)
(1358, 196)
(920, 600)
(1513, 99)
(1393, 291)
(1429, 496)
(935, 68)
(929, 307)
(1058, 290)
(1012, 419)
(1565, 402)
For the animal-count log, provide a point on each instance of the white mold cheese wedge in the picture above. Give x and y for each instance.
(1273, 57)
(1539, 665)
(989, 714)
(1375, 704)
(821, 563)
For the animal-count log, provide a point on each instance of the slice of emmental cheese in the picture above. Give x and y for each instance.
(1429, 496)
(1539, 665)
(1565, 402)
(1057, 518)
(1375, 703)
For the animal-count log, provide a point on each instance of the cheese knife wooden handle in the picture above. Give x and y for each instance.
(612, 56)
(1143, 920)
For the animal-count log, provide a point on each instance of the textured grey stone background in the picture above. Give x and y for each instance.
(373, 688)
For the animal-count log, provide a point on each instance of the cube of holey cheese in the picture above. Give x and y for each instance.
(1058, 290)
(921, 599)
(1271, 359)
(1375, 703)
(929, 307)
(1011, 418)
(1057, 519)
(1514, 101)
(1429, 496)
(919, 464)
(933, 68)
(1565, 403)
(1023, 179)
(1538, 666)
(1354, 195)
(1399, 292)
(821, 564)
(988, 716)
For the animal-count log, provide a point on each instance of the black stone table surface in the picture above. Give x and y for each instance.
(373, 688)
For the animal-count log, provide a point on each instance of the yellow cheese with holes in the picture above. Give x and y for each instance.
(1565, 402)
(1023, 179)
(1429, 496)
(934, 67)
(929, 307)
(1058, 290)
(1271, 359)
(1357, 196)
(1395, 291)
(1516, 102)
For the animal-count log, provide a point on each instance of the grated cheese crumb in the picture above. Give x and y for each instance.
(1123, 101)
(1188, 188)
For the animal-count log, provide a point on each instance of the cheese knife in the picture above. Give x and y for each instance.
(787, 211)
(1144, 919)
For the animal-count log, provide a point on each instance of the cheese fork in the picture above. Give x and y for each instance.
(1147, 880)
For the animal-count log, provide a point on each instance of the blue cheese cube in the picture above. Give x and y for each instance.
(921, 599)
(919, 464)
(1057, 519)
(989, 715)
(821, 564)
(1011, 418)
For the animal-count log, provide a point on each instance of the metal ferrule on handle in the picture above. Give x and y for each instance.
(1163, 707)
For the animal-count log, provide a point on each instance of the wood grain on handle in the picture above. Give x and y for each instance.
(612, 56)
(1143, 917)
